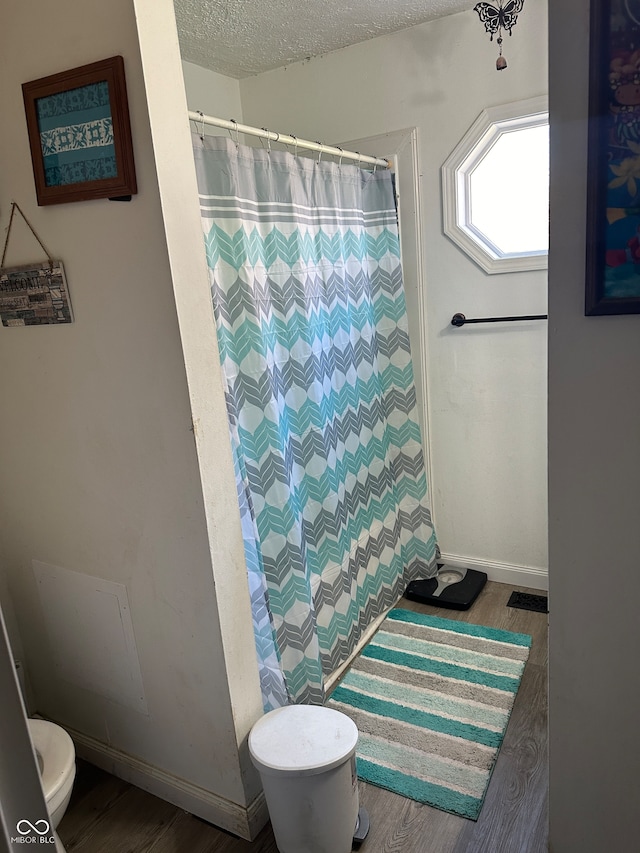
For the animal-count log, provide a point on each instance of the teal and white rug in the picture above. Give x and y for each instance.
(431, 698)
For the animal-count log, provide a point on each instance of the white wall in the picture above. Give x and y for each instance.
(98, 463)
(487, 385)
(594, 470)
(175, 171)
(212, 93)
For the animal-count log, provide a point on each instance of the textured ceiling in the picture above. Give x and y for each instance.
(243, 37)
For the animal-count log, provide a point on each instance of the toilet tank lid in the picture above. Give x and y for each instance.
(302, 740)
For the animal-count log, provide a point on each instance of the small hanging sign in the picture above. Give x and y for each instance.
(33, 294)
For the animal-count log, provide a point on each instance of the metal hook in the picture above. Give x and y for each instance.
(201, 114)
(359, 158)
(268, 139)
(341, 156)
(233, 121)
(319, 152)
(295, 145)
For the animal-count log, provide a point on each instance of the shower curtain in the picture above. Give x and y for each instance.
(307, 292)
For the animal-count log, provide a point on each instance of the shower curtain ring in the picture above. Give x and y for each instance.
(268, 139)
(341, 156)
(359, 158)
(319, 152)
(201, 114)
(295, 145)
(234, 122)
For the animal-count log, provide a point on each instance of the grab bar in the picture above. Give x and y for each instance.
(459, 319)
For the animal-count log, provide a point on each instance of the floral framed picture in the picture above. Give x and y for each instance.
(613, 186)
(80, 134)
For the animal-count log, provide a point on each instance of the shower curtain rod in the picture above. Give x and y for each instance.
(285, 139)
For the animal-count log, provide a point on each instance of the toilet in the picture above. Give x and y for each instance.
(57, 763)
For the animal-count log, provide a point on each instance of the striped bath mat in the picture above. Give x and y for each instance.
(431, 698)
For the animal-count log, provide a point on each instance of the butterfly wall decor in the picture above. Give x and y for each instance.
(498, 18)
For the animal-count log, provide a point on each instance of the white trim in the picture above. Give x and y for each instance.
(368, 633)
(456, 176)
(245, 822)
(421, 276)
(530, 576)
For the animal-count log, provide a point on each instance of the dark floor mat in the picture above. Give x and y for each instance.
(527, 601)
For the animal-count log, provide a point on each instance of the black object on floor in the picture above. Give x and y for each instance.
(454, 588)
(528, 601)
(362, 827)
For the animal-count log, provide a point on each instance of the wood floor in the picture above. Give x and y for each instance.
(107, 815)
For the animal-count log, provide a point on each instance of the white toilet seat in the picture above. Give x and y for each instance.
(56, 759)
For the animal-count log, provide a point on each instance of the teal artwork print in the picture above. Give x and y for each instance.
(76, 135)
(306, 282)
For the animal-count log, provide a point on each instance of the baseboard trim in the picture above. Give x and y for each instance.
(367, 634)
(245, 822)
(500, 572)
(534, 578)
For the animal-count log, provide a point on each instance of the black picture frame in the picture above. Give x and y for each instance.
(613, 189)
(80, 134)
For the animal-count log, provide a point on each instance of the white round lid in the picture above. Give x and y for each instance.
(56, 754)
(302, 740)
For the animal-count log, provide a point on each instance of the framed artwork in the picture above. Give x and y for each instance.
(613, 184)
(80, 135)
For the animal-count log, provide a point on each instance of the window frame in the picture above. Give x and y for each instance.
(456, 185)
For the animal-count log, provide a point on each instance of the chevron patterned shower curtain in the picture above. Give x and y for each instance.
(312, 330)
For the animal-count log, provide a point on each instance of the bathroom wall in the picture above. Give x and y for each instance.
(487, 385)
(212, 94)
(6, 603)
(99, 461)
(594, 470)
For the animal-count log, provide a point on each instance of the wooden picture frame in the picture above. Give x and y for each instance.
(80, 134)
(613, 180)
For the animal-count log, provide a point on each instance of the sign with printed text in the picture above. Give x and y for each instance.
(34, 295)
